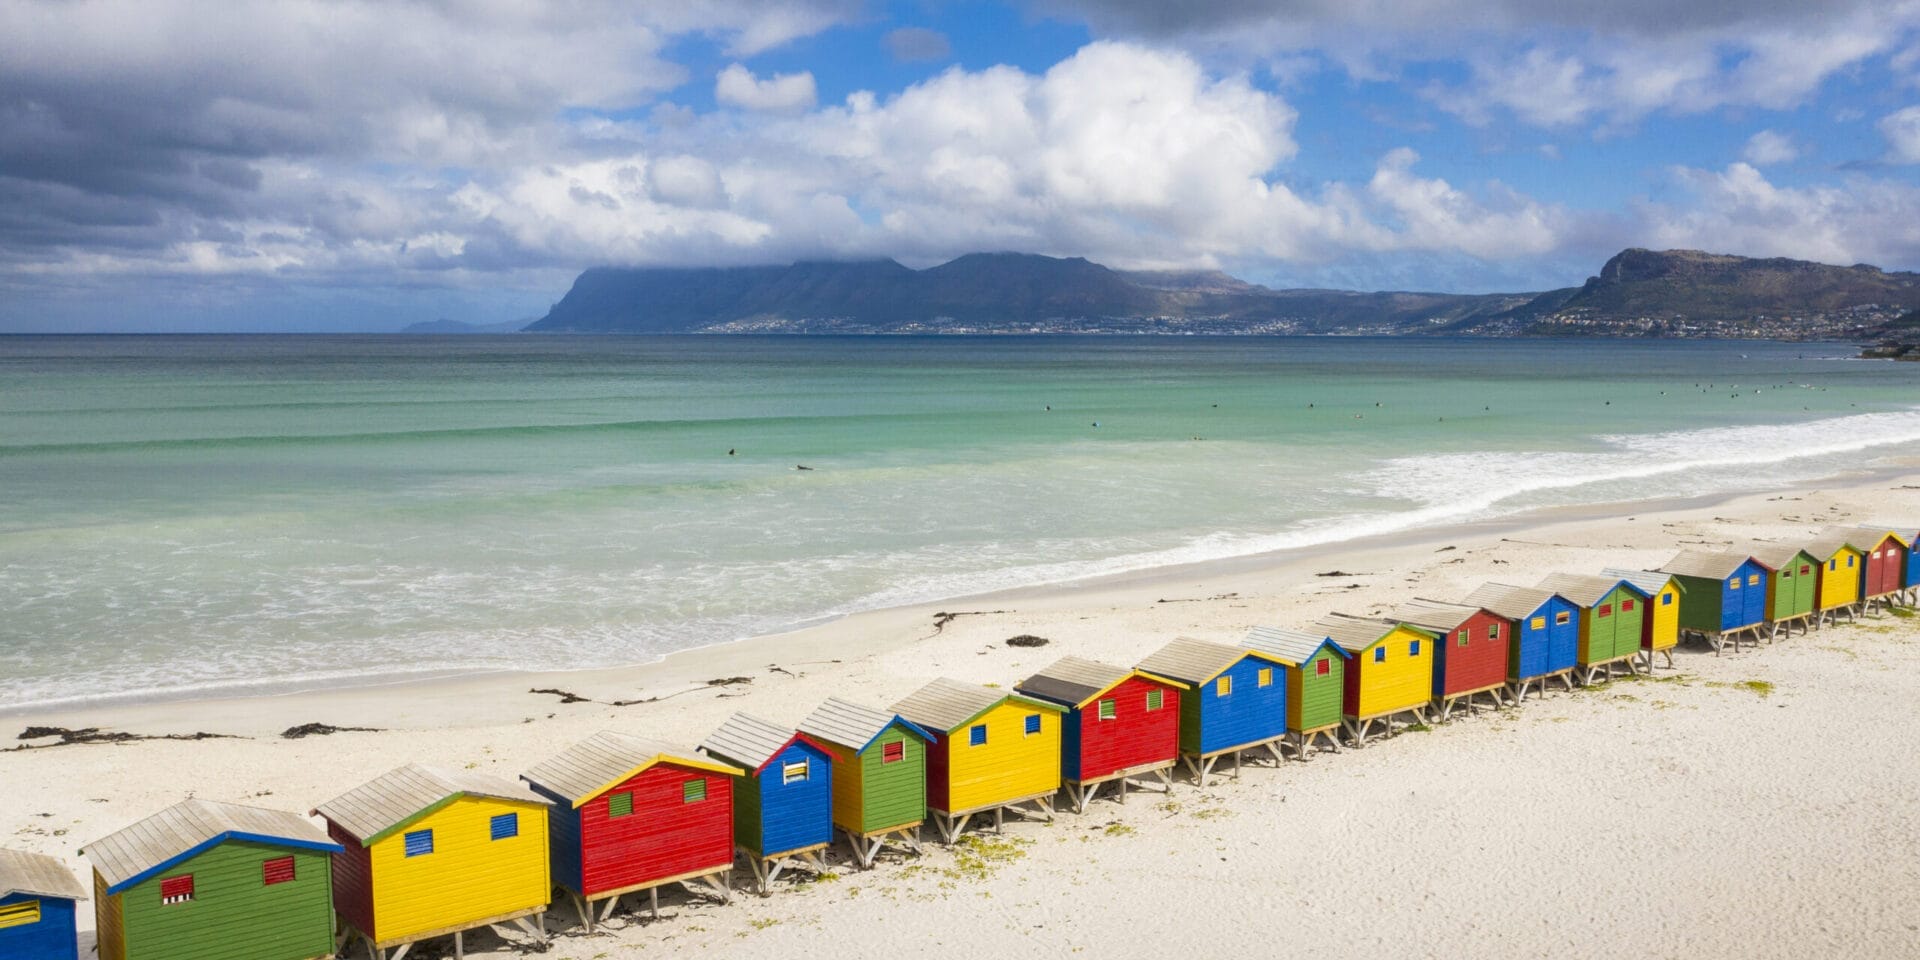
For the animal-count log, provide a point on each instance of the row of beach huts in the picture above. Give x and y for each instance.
(424, 853)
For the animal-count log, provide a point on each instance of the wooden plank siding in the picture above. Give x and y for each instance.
(468, 877)
(1132, 736)
(663, 836)
(1248, 712)
(352, 870)
(1011, 765)
(234, 913)
(1314, 699)
(1389, 676)
(1840, 578)
(1472, 656)
(110, 939)
(1611, 628)
(891, 794)
(1882, 574)
(51, 937)
(772, 816)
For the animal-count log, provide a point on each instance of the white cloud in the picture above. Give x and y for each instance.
(1737, 210)
(785, 92)
(1769, 147)
(1901, 129)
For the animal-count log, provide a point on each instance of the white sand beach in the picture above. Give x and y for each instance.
(1764, 803)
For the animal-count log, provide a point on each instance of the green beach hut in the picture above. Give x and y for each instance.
(1316, 684)
(1792, 587)
(1612, 615)
(214, 881)
(879, 775)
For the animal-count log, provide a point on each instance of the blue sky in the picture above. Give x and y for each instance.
(356, 165)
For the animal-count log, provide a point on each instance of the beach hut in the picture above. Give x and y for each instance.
(37, 898)
(1911, 564)
(1841, 565)
(1660, 628)
(1793, 584)
(1389, 671)
(1612, 612)
(626, 814)
(879, 775)
(992, 751)
(783, 804)
(1237, 703)
(1470, 656)
(1316, 683)
(1119, 724)
(1884, 574)
(203, 880)
(430, 852)
(1723, 595)
(1543, 639)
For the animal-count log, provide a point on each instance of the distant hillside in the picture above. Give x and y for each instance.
(1678, 293)
(444, 325)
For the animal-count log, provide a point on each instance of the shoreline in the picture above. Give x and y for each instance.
(862, 634)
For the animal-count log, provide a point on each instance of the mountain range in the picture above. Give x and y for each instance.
(1674, 293)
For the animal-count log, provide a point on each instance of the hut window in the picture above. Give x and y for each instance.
(1733, 584)
(1753, 579)
(1155, 699)
(693, 791)
(1107, 710)
(1626, 605)
(1413, 648)
(1605, 610)
(506, 826)
(620, 804)
(1562, 618)
(1033, 724)
(977, 736)
(279, 870)
(1805, 570)
(1833, 565)
(1223, 686)
(25, 913)
(1265, 677)
(1323, 669)
(177, 889)
(893, 752)
(1493, 631)
(1849, 559)
(1463, 637)
(1379, 654)
(1537, 623)
(1666, 599)
(794, 772)
(419, 843)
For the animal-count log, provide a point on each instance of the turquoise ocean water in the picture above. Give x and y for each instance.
(195, 515)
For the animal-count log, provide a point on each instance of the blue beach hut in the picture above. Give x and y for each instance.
(1238, 703)
(783, 803)
(37, 898)
(1545, 631)
(1722, 595)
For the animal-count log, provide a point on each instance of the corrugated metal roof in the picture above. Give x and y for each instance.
(1191, 660)
(1507, 600)
(1433, 614)
(1710, 565)
(1830, 542)
(847, 724)
(1352, 633)
(190, 825)
(747, 740)
(400, 794)
(1071, 680)
(1651, 581)
(586, 769)
(1291, 647)
(1774, 555)
(1580, 588)
(37, 875)
(944, 704)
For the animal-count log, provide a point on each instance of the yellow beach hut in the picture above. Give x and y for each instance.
(1389, 671)
(1660, 628)
(433, 853)
(1841, 565)
(992, 751)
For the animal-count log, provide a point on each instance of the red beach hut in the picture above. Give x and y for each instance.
(1886, 555)
(1120, 723)
(1470, 656)
(630, 814)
